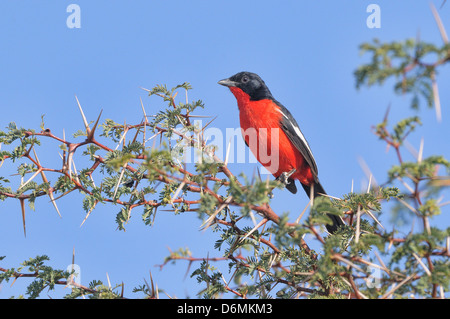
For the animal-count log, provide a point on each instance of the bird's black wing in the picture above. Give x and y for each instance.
(292, 130)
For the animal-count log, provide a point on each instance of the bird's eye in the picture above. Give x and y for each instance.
(245, 79)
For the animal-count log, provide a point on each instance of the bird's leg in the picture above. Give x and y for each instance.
(283, 178)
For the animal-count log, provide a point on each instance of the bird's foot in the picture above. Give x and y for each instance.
(284, 177)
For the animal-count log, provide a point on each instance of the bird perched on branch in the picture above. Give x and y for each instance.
(274, 137)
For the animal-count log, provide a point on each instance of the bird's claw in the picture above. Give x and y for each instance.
(284, 177)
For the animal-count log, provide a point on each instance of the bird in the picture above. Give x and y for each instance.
(268, 125)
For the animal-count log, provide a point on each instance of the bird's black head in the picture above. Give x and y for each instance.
(250, 83)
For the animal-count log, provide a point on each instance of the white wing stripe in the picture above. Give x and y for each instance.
(297, 131)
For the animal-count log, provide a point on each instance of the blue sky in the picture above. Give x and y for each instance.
(305, 51)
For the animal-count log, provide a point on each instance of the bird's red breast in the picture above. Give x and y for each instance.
(260, 124)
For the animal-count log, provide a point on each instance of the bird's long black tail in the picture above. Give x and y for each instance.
(318, 190)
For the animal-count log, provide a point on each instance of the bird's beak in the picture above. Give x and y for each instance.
(227, 82)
